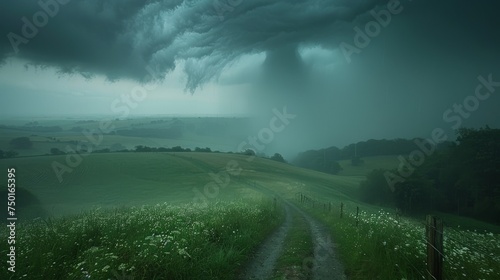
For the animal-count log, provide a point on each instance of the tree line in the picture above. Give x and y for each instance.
(326, 160)
(463, 178)
(8, 154)
(146, 149)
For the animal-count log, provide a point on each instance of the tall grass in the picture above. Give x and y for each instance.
(383, 246)
(150, 242)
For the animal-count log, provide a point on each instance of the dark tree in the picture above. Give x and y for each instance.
(56, 151)
(278, 157)
(413, 195)
(324, 160)
(177, 149)
(375, 189)
(27, 204)
(202, 150)
(11, 154)
(249, 152)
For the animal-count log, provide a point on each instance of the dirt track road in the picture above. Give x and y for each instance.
(325, 264)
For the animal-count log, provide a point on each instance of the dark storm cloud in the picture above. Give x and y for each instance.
(426, 59)
(120, 38)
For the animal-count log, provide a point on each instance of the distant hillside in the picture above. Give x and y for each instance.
(326, 160)
(218, 133)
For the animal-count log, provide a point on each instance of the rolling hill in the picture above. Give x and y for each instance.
(124, 179)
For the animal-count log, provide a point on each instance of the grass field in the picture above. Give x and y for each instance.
(121, 179)
(384, 246)
(149, 242)
(129, 180)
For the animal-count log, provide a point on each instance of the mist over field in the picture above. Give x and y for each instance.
(210, 58)
(153, 109)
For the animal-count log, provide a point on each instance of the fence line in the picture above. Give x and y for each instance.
(437, 229)
(411, 264)
(435, 254)
(477, 249)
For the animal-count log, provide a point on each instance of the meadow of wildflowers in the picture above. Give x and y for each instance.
(149, 242)
(383, 246)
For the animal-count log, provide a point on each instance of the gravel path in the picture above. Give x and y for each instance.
(325, 264)
(263, 263)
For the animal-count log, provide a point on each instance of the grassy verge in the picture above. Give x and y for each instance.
(150, 242)
(382, 246)
(297, 251)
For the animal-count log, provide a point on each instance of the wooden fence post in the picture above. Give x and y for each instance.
(341, 209)
(434, 234)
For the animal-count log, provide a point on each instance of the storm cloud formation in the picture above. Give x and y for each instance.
(120, 38)
(397, 83)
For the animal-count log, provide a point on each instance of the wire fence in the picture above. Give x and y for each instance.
(437, 238)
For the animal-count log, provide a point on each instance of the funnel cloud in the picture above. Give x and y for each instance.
(406, 64)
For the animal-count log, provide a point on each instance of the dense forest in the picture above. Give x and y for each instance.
(463, 178)
(325, 160)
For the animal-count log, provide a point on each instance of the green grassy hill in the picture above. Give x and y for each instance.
(124, 179)
(127, 179)
(136, 179)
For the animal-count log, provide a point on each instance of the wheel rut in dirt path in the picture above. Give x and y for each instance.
(324, 264)
(264, 261)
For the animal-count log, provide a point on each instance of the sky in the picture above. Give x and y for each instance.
(348, 70)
